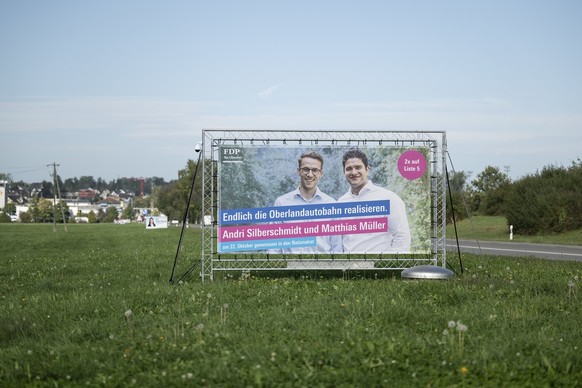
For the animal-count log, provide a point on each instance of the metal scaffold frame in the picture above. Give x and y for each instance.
(212, 139)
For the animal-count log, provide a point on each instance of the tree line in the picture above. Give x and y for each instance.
(39, 197)
(71, 185)
(548, 201)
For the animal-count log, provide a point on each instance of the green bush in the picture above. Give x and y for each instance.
(547, 202)
(25, 217)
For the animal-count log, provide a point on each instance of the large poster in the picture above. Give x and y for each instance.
(370, 199)
(156, 222)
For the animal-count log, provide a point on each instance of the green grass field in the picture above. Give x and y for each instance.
(488, 228)
(93, 306)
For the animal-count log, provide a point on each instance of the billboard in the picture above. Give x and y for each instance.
(327, 199)
(156, 222)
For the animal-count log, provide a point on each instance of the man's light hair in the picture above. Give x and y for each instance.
(312, 155)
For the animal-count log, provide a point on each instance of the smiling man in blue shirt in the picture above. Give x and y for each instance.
(310, 171)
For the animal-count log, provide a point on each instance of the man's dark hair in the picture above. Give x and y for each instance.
(355, 153)
(312, 155)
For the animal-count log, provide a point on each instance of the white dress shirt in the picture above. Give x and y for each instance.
(396, 240)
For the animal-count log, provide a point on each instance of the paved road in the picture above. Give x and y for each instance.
(545, 251)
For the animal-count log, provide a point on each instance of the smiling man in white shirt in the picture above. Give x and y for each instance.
(397, 239)
(310, 171)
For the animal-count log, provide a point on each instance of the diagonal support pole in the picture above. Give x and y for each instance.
(185, 219)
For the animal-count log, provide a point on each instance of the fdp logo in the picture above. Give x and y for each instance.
(230, 154)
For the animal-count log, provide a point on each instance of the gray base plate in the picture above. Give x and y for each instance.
(427, 272)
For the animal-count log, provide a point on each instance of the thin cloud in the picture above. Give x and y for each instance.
(267, 93)
(101, 113)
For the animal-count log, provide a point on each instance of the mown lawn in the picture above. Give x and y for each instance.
(93, 306)
(489, 228)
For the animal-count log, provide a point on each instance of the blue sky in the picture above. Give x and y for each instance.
(124, 88)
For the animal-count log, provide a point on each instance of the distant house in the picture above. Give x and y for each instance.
(87, 194)
(80, 206)
(111, 201)
(125, 196)
(3, 193)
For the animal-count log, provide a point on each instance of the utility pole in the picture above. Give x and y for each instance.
(56, 190)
